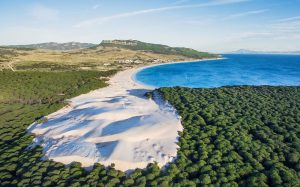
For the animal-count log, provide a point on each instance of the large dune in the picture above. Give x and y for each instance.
(116, 124)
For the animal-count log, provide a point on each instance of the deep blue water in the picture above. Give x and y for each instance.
(233, 70)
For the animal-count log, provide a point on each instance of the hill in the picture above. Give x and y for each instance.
(155, 48)
(108, 55)
(55, 46)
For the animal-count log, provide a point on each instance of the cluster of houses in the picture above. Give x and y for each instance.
(138, 61)
(130, 62)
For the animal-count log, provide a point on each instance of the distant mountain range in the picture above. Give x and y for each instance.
(245, 51)
(55, 46)
(155, 48)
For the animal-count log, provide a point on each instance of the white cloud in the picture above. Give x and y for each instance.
(44, 13)
(287, 26)
(244, 14)
(288, 30)
(100, 20)
(289, 19)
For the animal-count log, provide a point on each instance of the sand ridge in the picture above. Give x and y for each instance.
(116, 124)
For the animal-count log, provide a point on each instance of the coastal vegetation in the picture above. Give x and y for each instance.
(24, 98)
(232, 136)
(237, 136)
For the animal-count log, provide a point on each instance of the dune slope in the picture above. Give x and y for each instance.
(116, 124)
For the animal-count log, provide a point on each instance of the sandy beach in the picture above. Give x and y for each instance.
(116, 124)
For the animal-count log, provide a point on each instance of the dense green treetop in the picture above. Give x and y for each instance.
(246, 135)
(233, 136)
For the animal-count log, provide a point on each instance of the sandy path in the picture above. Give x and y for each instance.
(116, 124)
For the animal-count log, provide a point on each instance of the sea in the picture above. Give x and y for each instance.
(232, 70)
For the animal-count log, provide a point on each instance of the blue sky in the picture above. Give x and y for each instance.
(207, 25)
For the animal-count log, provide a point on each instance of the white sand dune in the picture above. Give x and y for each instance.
(116, 124)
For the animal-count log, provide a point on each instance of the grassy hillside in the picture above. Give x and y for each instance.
(88, 59)
(156, 48)
(7, 54)
(102, 57)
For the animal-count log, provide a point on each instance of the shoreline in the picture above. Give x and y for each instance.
(138, 69)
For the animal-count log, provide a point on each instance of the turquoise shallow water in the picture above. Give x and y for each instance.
(233, 70)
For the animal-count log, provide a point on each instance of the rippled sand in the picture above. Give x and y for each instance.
(116, 124)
